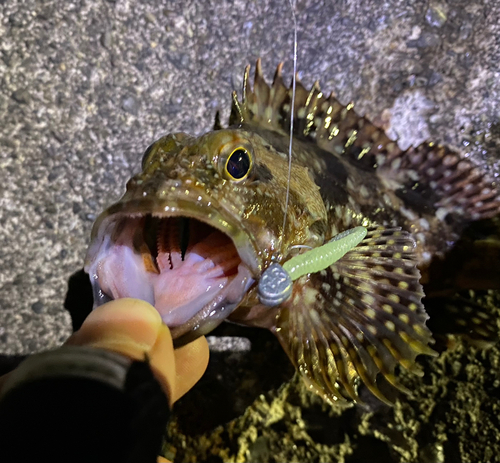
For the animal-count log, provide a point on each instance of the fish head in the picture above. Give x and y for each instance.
(198, 226)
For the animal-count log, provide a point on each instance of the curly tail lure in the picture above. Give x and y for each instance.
(275, 285)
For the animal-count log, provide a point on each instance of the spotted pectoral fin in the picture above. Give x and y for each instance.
(358, 319)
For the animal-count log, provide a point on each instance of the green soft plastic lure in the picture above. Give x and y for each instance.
(275, 285)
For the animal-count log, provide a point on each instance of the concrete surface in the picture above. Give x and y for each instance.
(86, 86)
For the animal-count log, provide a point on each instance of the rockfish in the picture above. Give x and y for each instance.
(204, 219)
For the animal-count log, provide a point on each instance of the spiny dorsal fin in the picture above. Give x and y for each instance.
(428, 174)
(358, 319)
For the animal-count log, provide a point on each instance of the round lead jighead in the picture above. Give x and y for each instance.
(275, 285)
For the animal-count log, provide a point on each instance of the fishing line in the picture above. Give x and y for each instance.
(275, 285)
(292, 114)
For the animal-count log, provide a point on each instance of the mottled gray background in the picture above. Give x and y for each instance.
(86, 86)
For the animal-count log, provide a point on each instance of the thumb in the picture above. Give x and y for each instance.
(133, 328)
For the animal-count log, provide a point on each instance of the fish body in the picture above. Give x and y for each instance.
(199, 225)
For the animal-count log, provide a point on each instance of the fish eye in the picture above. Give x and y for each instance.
(238, 164)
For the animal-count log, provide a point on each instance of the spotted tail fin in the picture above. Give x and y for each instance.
(358, 319)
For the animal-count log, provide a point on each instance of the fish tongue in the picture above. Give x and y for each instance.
(188, 283)
(182, 291)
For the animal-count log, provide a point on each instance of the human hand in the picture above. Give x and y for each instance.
(134, 328)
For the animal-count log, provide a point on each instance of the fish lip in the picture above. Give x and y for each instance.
(224, 222)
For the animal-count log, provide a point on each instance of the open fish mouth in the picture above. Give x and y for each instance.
(194, 267)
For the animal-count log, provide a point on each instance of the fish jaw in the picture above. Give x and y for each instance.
(194, 289)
